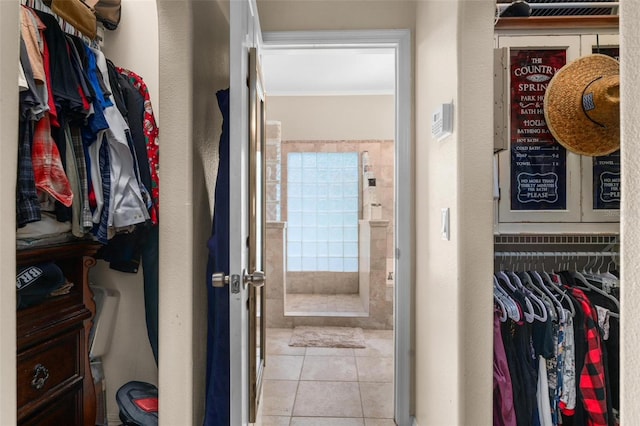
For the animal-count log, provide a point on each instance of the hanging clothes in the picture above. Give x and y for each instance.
(88, 140)
(503, 411)
(592, 376)
(70, 89)
(563, 368)
(218, 380)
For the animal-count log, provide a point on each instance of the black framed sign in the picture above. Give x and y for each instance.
(606, 182)
(606, 169)
(538, 162)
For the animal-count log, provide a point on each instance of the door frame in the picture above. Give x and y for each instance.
(400, 41)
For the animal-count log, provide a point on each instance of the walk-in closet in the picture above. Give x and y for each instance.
(87, 195)
(557, 263)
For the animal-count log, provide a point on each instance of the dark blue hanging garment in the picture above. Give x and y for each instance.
(217, 403)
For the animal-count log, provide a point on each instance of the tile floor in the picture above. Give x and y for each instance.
(328, 386)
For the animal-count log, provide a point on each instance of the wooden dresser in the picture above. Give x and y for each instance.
(55, 386)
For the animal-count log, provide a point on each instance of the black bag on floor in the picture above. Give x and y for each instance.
(138, 403)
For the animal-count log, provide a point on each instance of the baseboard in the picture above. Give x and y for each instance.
(415, 423)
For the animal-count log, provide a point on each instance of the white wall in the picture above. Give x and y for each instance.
(134, 44)
(129, 356)
(9, 34)
(333, 117)
(210, 74)
(475, 208)
(307, 15)
(194, 64)
(453, 321)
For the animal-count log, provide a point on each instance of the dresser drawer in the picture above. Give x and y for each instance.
(64, 411)
(48, 371)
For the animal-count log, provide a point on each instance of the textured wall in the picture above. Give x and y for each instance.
(630, 211)
(129, 356)
(333, 117)
(453, 293)
(9, 34)
(191, 126)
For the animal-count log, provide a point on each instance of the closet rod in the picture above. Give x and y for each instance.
(526, 254)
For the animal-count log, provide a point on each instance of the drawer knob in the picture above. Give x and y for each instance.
(40, 376)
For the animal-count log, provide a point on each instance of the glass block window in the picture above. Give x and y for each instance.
(322, 211)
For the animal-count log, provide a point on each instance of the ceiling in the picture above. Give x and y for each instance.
(324, 71)
(329, 71)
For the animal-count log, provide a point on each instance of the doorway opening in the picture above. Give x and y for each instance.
(330, 182)
(337, 182)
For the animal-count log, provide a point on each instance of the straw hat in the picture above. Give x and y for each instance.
(582, 105)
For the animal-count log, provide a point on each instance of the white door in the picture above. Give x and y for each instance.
(246, 109)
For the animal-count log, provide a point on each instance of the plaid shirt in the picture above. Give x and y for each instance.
(47, 165)
(27, 204)
(78, 150)
(592, 376)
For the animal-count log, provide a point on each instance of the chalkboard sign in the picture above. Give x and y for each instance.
(606, 169)
(538, 162)
(606, 181)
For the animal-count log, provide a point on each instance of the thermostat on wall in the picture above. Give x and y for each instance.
(442, 121)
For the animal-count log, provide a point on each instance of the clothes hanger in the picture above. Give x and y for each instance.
(560, 311)
(512, 305)
(610, 281)
(611, 262)
(581, 281)
(562, 293)
(599, 276)
(512, 287)
(513, 311)
(588, 286)
(528, 296)
(502, 308)
(504, 311)
(549, 302)
(527, 278)
(607, 282)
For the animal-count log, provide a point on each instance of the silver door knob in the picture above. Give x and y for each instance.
(219, 279)
(256, 279)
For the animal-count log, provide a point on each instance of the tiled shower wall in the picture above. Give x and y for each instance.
(376, 295)
(273, 171)
(322, 282)
(381, 160)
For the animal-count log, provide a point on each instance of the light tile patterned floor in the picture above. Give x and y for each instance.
(328, 386)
